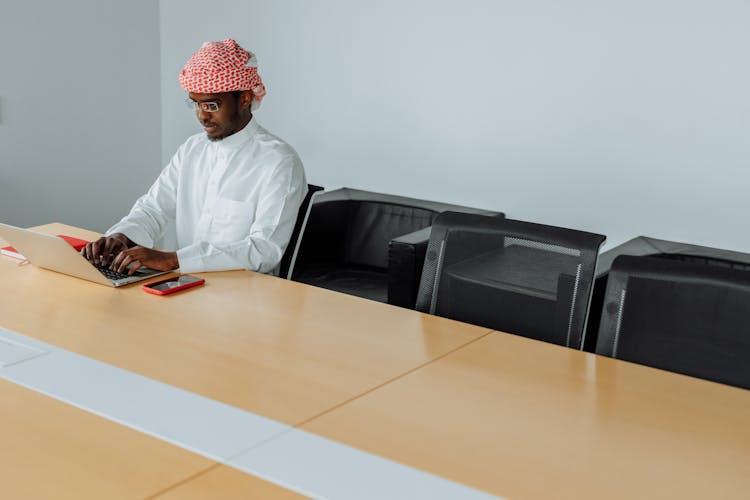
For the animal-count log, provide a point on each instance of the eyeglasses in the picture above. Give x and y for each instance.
(209, 106)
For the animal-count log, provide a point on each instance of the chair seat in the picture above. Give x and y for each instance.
(517, 269)
(363, 281)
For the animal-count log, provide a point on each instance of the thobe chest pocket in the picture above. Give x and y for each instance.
(231, 220)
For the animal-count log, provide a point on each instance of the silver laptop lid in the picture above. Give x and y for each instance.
(51, 252)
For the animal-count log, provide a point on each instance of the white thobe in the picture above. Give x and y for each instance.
(233, 203)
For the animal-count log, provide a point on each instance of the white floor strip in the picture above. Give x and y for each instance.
(294, 459)
(12, 352)
(322, 468)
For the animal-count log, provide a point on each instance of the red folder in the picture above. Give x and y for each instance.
(76, 243)
(11, 252)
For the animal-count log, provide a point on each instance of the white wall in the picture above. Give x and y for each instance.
(80, 115)
(625, 118)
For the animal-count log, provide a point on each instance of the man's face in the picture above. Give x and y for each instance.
(231, 116)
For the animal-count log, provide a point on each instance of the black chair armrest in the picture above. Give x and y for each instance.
(405, 261)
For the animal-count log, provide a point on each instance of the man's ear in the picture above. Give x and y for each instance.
(246, 99)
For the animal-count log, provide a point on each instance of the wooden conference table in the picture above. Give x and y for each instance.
(513, 417)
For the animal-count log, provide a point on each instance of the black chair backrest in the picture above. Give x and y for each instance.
(684, 317)
(351, 226)
(518, 277)
(287, 260)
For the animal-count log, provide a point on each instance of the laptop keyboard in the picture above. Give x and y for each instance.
(113, 275)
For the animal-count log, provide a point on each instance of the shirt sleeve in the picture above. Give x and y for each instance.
(154, 211)
(261, 250)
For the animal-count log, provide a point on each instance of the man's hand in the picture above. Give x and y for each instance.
(138, 257)
(103, 250)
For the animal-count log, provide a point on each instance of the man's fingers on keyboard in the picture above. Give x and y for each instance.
(110, 248)
(88, 252)
(123, 267)
(116, 261)
(96, 250)
(134, 266)
(122, 261)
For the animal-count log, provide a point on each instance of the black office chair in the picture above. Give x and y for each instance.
(290, 254)
(649, 246)
(368, 244)
(518, 277)
(685, 317)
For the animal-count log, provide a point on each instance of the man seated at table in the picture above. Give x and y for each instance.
(229, 197)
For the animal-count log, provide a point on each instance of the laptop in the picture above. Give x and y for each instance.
(56, 254)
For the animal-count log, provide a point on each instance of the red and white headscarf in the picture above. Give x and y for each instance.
(223, 67)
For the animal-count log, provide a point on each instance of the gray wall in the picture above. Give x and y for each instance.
(625, 118)
(619, 117)
(80, 116)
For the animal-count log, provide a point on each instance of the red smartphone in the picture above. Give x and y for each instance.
(171, 285)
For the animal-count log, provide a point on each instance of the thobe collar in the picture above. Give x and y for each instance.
(239, 138)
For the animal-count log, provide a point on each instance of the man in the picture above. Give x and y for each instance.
(231, 194)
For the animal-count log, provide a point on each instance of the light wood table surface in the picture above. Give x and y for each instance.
(528, 420)
(53, 450)
(277, 348)
(227, 484)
